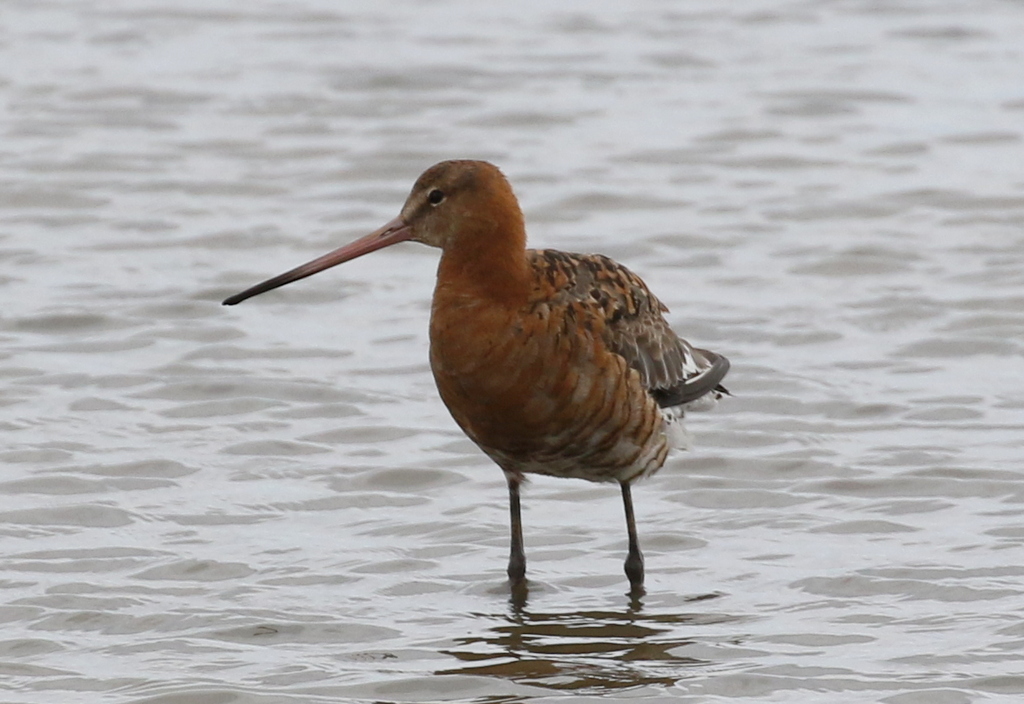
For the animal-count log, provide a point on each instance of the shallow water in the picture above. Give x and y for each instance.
(270, 504)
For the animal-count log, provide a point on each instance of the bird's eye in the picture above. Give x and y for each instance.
(435, 197)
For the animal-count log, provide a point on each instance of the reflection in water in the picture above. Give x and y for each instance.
(584, 650)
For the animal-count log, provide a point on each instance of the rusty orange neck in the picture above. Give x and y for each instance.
(485, 257)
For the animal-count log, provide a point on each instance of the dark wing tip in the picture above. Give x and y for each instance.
(696, 386)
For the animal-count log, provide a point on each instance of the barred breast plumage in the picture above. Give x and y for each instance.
(575, 379)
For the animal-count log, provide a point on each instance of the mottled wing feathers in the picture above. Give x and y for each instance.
(631, 322)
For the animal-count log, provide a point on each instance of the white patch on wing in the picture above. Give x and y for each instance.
(704, 403)
(690, 368)
(675, 430)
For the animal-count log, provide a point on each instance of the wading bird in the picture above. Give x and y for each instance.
(552, 363)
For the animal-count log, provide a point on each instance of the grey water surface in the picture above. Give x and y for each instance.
(270, 504)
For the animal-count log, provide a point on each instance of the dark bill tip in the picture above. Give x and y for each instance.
(393, 232)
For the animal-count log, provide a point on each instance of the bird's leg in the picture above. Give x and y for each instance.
(635, 559)
(517, 556)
